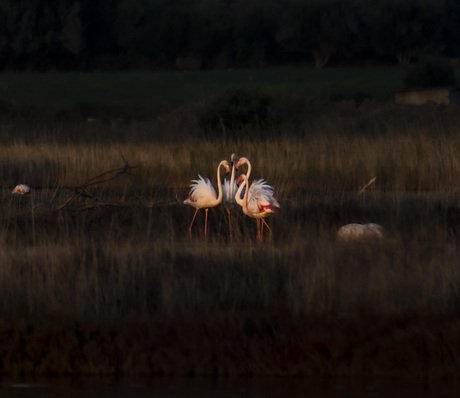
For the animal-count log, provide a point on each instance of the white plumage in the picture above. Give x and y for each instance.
(258, 202)
(203, 195)
(229, 188)
(260, 199)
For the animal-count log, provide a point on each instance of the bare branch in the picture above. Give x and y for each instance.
(82, 190)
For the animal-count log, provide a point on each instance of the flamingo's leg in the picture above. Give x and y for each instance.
(193, 219)
(266, 224)
(205, 222)
(229, 225)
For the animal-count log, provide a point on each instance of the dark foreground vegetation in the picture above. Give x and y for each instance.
(105, 279)
(124, 290)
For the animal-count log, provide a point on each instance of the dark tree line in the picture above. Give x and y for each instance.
(118, 34)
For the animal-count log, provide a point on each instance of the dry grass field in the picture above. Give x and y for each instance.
(104, 278)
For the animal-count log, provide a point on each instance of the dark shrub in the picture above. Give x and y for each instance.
(430, 72)
(237, 109)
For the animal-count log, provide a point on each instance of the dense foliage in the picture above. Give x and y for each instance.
(120, 34)
(430, 72)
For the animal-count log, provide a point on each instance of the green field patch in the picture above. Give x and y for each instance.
(147, 89)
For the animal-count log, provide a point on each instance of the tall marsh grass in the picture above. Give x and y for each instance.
(114, 283)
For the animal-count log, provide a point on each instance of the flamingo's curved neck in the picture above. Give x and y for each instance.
(246, 161)
(243, 202)
(232, 178)
(248, 173)
(219, 185)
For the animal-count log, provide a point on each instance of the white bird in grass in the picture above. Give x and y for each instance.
(258, 202)
(203, 195)
(21, 189)
(357, 231)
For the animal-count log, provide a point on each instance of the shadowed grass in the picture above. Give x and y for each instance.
(338, 147)
(107, 277)
(115, 284)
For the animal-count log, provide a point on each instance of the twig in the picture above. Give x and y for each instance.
(365, 186)
(61, 206)
(81, 190)
(119, 171)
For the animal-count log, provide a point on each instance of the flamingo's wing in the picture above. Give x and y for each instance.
(227, 193)
(268, 192)
(264, 194)
(201, 191)
(260, 197)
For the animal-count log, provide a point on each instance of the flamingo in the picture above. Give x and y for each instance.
(258, 201)
(229, 189)
(242, 161)
(21, 189)
(357, 231)
(203, 195)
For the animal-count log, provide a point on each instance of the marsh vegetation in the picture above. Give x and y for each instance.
(111, 281)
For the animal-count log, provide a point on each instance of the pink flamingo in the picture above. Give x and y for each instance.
(229, 189)
(258, 202)
(242, 161)
(246, 161)
(203, 195)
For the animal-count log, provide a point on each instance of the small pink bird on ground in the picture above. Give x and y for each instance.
(258, 202)
(203, 195)
(21, 189)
